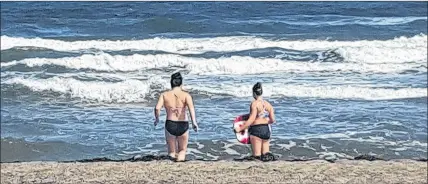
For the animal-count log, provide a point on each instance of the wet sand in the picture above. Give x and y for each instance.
(400, 171)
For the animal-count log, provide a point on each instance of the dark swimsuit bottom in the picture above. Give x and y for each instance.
(176, 128)
(261, 131)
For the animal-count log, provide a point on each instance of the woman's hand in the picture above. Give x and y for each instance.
(195, 127)
(156, 121)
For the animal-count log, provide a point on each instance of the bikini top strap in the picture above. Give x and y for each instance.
(263, 110)
(178, 100)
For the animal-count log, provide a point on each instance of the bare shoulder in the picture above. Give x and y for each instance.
(186, 94)
(253, 104)
(269, 105)
(165, 94)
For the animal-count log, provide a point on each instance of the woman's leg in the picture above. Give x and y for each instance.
(182, 146)
(256, 144)
(171, 143)
(265, 146)
(266, 140)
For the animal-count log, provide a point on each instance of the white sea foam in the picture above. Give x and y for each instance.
(287, 146)
(326, 91)
(231, 65)
(398, 50)
(385, 21)
(136, 90)
(328, 155)
(328, 20)
(229, 150)
(125, 91)
(105, 62)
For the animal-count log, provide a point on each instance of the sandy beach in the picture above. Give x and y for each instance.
(401, 171)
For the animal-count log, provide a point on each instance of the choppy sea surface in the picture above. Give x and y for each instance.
(80, 79)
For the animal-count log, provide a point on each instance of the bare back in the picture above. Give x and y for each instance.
(264, 112)
(175, 104)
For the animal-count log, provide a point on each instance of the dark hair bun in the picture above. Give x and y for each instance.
(176, 75)
(176, 79)
(257, 89)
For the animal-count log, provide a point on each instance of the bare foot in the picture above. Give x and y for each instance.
(172, 156)
(181, 156)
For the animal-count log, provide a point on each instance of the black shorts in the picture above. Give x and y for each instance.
(261, 131)
(176, 128)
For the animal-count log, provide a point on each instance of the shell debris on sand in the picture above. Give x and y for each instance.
(399, 171)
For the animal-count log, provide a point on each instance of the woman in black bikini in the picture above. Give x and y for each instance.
(175, 102)
(261, 116)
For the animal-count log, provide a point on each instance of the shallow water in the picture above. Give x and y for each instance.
(80, 79)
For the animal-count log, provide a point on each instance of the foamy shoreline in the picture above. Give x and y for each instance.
(342, 171)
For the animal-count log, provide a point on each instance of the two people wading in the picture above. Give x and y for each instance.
(176, 102)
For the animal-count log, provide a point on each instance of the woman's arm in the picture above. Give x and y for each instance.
(271, 114)
(189, 102)
(157, 109)
(251, 118)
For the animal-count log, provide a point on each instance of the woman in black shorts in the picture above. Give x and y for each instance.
(261, 116)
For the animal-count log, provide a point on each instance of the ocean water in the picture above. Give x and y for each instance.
(80, 79)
